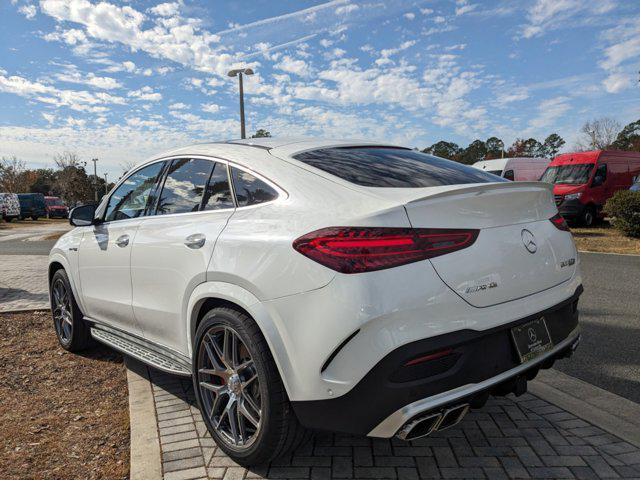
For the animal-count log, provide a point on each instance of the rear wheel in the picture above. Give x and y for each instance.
(71, 330)
(34, 218)
(239, 390)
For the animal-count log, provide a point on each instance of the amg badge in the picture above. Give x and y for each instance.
(479, 288)
(567, 263)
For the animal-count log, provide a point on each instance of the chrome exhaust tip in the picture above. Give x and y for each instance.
(420, 427)
(452, 417)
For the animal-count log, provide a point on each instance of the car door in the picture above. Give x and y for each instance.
(104, 254)
(173, 246)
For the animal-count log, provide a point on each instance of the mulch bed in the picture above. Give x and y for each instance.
(62, 415)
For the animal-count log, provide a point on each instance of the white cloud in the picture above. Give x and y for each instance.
(72, 75)
(617, 82)
(78, 100)
(146, 93)
(49, 117)
(389, 52)
(549, 111)
(545, 15)
(346, 9)
(210, 108)
(291, 65)
(178, 106)
(409, 16)
(167, 9)
(461, 10)
(28, 11)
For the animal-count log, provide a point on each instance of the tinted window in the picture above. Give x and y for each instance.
(218, 193)
(392, 167)
(130, 198)
(184, 186)
(250, 190)
(509, 175)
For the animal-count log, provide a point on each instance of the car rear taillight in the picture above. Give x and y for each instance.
(559, 222)
(365, 249)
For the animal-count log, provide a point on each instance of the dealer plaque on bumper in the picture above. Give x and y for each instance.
(531, 339)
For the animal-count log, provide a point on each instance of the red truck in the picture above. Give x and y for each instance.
(55, 208)
(584, 181)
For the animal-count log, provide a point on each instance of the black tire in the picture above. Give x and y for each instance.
(279, 431)
(73, 334)
(588, 217)
(34, 218)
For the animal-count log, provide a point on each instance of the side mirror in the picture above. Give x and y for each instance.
(82, 216)
(597, 181)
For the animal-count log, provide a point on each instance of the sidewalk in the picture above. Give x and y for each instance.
(525, 437)
(23, 282)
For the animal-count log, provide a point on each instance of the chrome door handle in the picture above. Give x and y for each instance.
(195, 241)
(122, 241)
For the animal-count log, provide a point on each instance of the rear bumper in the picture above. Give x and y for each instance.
(480, 363)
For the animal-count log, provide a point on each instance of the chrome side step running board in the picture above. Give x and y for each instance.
(141, 350)
(423, 426)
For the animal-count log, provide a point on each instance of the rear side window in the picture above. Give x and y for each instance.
(184, 186)
(218, 194)
(392, 167)
(251, 190)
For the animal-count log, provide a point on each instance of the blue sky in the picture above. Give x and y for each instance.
(122, 80)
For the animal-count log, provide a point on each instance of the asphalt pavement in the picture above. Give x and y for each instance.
(609, 355)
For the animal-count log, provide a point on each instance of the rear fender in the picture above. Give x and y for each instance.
(252, 305)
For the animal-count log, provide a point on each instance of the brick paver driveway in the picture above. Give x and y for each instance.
(523, 437)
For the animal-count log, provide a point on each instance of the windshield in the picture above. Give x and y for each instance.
(568, 174)
(54, 202)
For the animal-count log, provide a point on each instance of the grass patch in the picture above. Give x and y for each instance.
(605, 239)
(62, 415)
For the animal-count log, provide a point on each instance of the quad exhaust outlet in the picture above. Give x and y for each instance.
(427, 424)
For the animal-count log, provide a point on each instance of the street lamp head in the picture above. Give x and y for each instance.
(236, 71)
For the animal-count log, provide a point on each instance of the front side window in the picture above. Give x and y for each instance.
(131, 197)
(509, 175)
(218, 194)
(392, 167)
(576, 174)
(251, 190)
(184, 186)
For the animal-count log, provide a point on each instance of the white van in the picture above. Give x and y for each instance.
(520, 169)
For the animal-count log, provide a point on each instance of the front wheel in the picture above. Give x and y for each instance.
(34, 218)
(588, 217)
(71, 330)
(239, 391)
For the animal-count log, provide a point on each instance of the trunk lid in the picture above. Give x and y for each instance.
(502, 264)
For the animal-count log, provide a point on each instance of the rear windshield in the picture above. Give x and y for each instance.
(392, 167)
(576, 174)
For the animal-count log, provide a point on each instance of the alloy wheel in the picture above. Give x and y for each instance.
(229, 387)
(62, 311)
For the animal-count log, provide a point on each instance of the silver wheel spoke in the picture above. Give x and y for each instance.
(229, 387)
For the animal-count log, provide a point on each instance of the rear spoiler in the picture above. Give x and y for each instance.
(480, 188)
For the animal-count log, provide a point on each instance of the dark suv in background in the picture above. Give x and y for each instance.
(32, 205)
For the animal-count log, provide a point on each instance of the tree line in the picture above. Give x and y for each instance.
(69, 180)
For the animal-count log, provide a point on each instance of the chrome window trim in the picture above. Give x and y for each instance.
(282, 193)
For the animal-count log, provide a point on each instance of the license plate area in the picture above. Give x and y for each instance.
(531, 339)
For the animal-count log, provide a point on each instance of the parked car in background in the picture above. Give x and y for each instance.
(32, 205)
(55, 208)
(636, 185)
(584, 181)
(360, 288)
(9, 206)
(521, 169)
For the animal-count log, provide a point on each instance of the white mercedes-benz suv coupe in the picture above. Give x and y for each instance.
(303, 285)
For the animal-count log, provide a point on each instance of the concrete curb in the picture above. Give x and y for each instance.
(604, 409)
(146, 463)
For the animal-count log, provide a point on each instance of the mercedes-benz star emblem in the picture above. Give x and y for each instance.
(532, 335)
(529, 241)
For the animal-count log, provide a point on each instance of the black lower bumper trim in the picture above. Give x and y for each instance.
(479, 355)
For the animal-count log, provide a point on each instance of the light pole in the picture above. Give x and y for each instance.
(238, 72)
(106, 183)
(95, 178)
